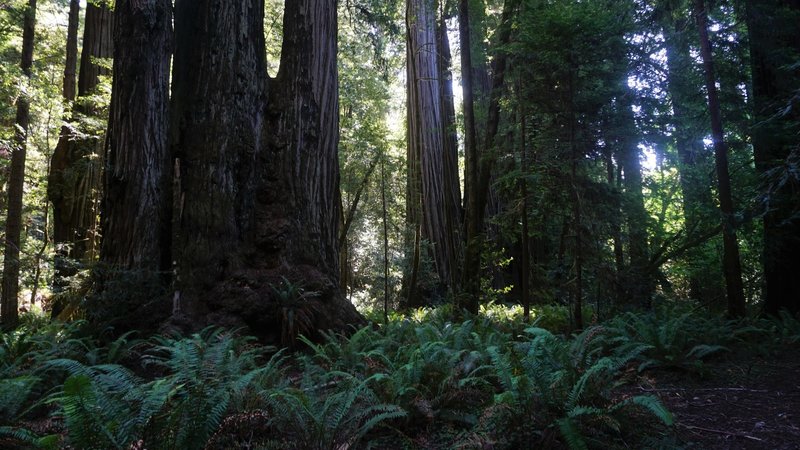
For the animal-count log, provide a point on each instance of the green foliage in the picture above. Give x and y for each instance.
(669, 339)
(326, 415)
(207, 375)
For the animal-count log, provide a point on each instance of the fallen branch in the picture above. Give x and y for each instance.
(727, 433)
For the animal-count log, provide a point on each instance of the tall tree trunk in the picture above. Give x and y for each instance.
(16, 183)
(525, 238)
(731, 264)
(640, 280)
(430, 139)
(774, 49)
(480, 171)
(71, 64)
(258, 169)
(74, 182)
(136, 184)
(693, 163)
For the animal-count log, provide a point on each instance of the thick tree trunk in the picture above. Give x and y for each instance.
(16, 183)
(730, 263)
(695, 168)
(774, 48)
(74, 182)
(257, 230)
(136, 183)
(431, 144)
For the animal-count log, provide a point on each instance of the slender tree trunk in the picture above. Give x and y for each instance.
(346, 222)
(774, 49)
(136, 184)
(16, 183)
(384, 217)
(480, 172)
(731, 264)
(70, 80)
(640, 280)
(693, 164)
(74, 181)
(526, 248)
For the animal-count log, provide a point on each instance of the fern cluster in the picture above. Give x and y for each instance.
(420, 381)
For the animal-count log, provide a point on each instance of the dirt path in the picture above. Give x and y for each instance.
(746, 402)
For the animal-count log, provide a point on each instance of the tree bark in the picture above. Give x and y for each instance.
(16, 183)
(70, 66)
(731, 264)
(259, 170)
(430, 138)
(136, 201)
(74, 182)
(774, 46)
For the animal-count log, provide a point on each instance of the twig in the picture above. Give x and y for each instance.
(727, 433)
(703, 389)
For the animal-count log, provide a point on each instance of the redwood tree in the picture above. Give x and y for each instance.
(731, 265)
(16, 182)
(135, 210)
(256, 219)
(775, 52)
(433, 195)
(74, 181)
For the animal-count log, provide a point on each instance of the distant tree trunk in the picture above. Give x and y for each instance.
(640, 280)
(74, 182)
(774, 48)
(480, 172)
(70, 80)
(693, 164)
(431, 143)
(525, 238)
(16, 183)
(136, 183)
(731, 264)
(258, 170)
(385, 220)
(346, 222)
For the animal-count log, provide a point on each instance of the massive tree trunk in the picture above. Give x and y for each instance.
(431, 143)
(774, 48)
(136, 184)
(74, 182)
(693, 161)
(731, 265)
(257, 224)
(16, 182)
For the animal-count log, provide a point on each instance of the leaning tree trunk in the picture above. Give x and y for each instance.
(431, 146)
(136, 183)
(16, 182)
(774, 49)
(731, 265)
(74, 182)
(257, 218)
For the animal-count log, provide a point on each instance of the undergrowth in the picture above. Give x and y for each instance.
(419, 381)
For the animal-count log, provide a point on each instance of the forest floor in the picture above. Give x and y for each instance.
(743, 401)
